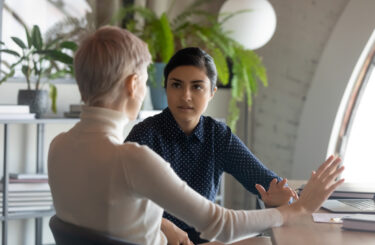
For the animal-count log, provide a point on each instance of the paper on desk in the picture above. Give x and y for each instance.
(328, 218)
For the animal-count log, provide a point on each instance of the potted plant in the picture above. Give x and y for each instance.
(39, 62)
(157, 33)
(240, 67)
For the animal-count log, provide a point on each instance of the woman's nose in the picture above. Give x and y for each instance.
(186, 94)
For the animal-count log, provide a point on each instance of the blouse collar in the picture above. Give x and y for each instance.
(198, 131)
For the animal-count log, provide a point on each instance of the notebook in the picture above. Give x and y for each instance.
(362, 222)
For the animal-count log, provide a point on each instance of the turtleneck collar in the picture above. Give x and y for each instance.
(99, 119)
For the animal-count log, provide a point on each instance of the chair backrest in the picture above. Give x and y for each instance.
(69, 234)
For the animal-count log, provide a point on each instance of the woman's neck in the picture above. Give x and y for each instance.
(115, 105)
(187, 126)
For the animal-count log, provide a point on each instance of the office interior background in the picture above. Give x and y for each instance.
(320, 52)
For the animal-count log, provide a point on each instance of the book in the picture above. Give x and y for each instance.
(28, 208)
(75, 107)
(17, 116)
(27, 194)
(362, 222)
(352, 190)
(14, 187)
(24, 176)
(30, 203)
(16, 199)
(72, 114)
(12, 109)
(28, 180)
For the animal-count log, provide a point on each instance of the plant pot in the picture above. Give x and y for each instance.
(157, 90)
(36, 99)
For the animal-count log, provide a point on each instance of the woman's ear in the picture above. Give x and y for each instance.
(131, 84)
(213, 93)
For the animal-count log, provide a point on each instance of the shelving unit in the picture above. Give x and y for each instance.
(38, 215)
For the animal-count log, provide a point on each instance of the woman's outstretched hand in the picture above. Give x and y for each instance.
(319, 187)
(278, 193)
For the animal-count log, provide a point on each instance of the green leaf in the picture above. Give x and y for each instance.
(2, 43)
(145, 13)
(69, 45)
(226, 16)
(25, 70)
(7, 75)
(262, 74)
(246, 58)
(165, 34)
(16, 63)
(29, 39)
(59, 74)
(221, 66)
(234, 114)
(8, 51)
(19, 42)
(235, 85)
(53, 96)
(36, 38)
(57, 55)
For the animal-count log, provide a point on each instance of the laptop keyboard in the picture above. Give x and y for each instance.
(365, 204)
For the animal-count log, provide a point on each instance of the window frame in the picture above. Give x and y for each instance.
(354, 102)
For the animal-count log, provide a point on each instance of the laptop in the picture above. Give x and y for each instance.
(366, 206)
(353, 201)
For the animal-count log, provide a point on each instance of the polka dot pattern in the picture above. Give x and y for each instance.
(201, 158)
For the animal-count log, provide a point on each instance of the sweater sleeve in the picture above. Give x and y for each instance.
(150, 176)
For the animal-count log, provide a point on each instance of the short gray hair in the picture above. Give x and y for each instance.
(104, 59)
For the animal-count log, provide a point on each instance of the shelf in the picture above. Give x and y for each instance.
(28, 215)
(37, 215)
(39, 120)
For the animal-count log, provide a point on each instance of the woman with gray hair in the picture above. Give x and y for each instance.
(100, 183)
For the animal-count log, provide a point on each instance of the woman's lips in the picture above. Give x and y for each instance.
(185, 108)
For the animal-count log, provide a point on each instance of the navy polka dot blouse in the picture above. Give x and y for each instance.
(201, 158)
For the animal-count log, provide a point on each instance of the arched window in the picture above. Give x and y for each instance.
(357, 132)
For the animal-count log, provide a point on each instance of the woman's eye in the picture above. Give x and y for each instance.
(175, 85)
(198, 87)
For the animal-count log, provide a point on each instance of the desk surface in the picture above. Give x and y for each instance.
(249, 241)
(304, 231)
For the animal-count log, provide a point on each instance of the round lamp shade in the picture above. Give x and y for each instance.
(252, 29)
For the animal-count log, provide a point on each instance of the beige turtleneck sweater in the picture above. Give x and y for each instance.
(100, 183)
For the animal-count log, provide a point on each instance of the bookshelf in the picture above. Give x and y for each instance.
(5, 216)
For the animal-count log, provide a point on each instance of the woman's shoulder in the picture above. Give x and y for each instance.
(58, 139)
(218, 125)
(149, 124)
